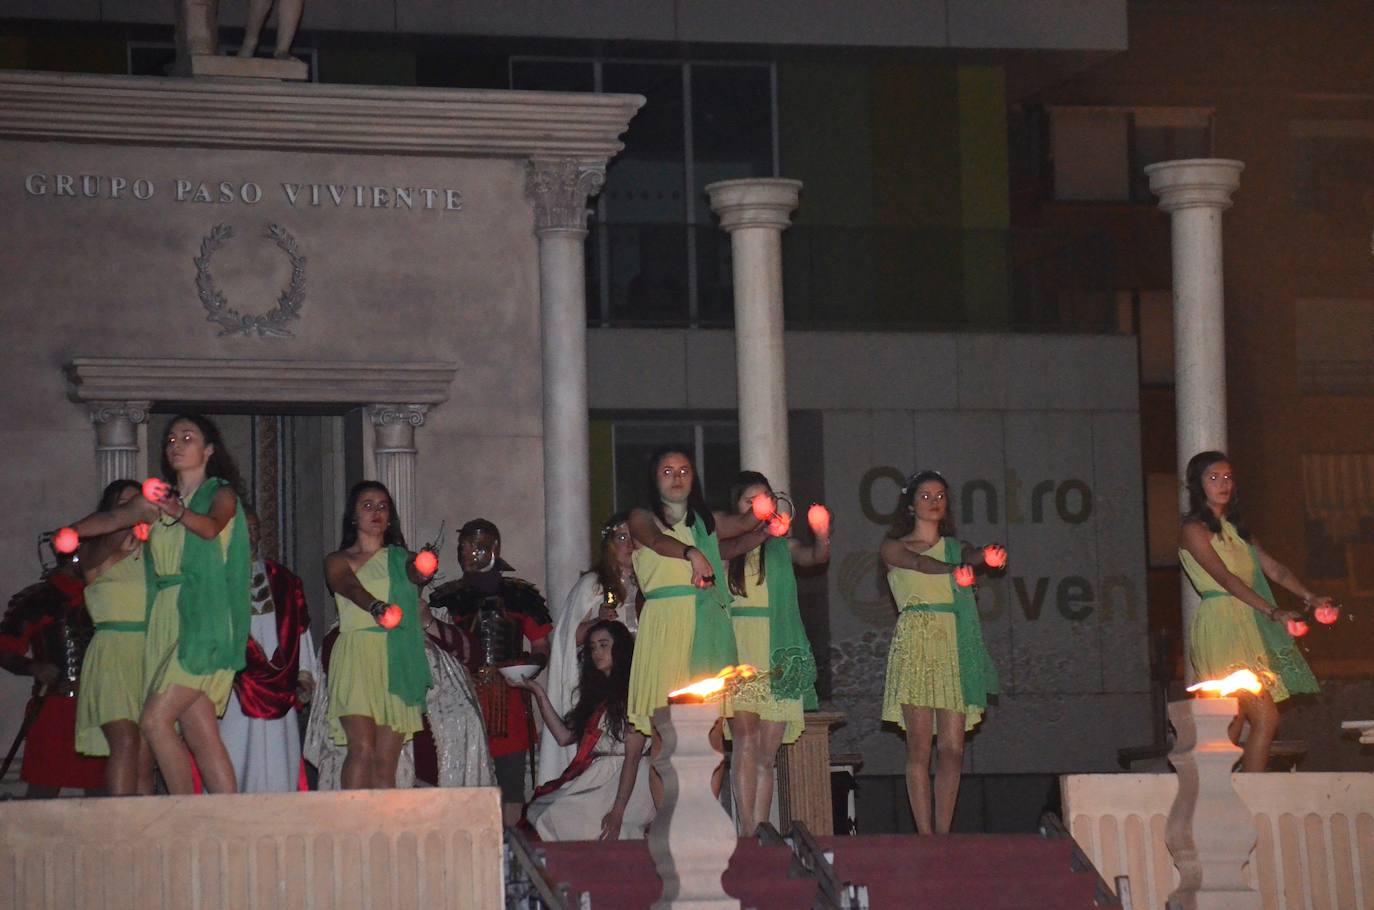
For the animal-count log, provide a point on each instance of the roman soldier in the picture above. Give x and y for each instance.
(44, 634)
(500, 613)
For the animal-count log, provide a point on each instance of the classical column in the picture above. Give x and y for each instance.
(394, 425)
(116, 439)
(1195, 193)
(755, 212)
(559, 190)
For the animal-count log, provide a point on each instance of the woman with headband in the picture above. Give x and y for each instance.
(605, 593)
(939, 674)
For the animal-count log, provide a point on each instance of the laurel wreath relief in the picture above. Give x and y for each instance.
(230, 320)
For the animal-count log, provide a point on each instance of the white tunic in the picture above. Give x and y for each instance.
(267, 753)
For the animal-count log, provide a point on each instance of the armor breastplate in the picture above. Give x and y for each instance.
(63, 642)
(498, 633)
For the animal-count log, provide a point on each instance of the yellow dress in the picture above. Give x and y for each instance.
(113, 685)
(749, 616)
(1224, 635)
(663, 647)
(923, 661)
(161, 666)
(358, 681)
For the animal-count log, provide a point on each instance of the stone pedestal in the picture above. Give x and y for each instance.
(395, 450)
(117, 453)
(1195, 193)
(560, 190)
(755, 212)
(804, 776)
(1210, 831)
(691, 838)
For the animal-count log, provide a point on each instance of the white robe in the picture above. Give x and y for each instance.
(267, 753)
(560, 679)
(574, 811)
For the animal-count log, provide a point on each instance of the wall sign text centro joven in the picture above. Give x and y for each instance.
(193, 191)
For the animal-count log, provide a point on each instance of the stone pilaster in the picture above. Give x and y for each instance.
(117, 453)
(394, 426)
(560, 190)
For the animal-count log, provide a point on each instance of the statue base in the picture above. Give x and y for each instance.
(242, 67)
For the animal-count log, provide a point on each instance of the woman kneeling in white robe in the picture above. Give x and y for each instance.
(604, 792)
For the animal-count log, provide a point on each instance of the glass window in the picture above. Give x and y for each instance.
(1333, 168)
(553, 75)
(1100, 153)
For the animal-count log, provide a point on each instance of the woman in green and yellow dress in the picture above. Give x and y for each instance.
(1239, 625)
(767, 711)
(120, 585)
(378, 677)
(939, 674)
(684, 631)
(198, 626)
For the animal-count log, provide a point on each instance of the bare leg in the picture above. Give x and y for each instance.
(146, 782)
(126, 748)
(252, 26)
(949, 766)
(920, 730)
(769, 740)
(1263, 716)
(655, 780)
(361, 734)
(386, 754)
(744, 769)
(193, 710)
(288, 20)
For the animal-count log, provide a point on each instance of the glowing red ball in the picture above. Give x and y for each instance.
(818, 517)
(390, 618)
(426, 563)
(65, 541)
(141, 530)
(1327, 614)
(779, 525)
(1297, 628)
(963, 576)
(155, 488)
(994, 556)
(764, 506)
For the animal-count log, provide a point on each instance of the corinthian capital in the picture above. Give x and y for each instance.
(560, 190)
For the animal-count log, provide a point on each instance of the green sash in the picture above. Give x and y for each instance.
(713, 635)
(407, 670)
(1284, 657)
(977, 675)
(214, 605)
(793, 664)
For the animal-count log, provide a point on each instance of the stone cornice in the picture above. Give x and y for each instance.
(313, 117)
(207, 381)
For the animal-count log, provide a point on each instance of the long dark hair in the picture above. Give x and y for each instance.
(735, 573)
(607, 574)
(109, 497)
(595, 688)
(393, 536)
(904, 522)
(221, 463)
(696, 503)
(1197, 499)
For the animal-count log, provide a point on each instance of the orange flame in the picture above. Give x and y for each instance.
(703, 689)
(1239, 681)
